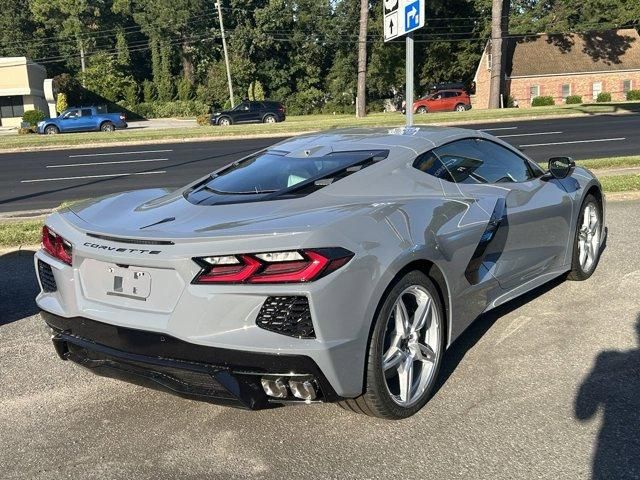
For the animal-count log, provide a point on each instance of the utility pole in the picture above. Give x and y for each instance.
(495, 82)
(226, 54)
(82, 62)
(361, 93)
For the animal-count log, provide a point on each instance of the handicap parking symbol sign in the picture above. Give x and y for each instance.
(412, 15)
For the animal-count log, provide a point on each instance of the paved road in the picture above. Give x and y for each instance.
(36, 180)
(547, 388)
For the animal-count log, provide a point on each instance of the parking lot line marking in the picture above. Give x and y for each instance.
(496, 129)
(117, 153)
(618, 139)
(59, 179)
(527, 134)
(108, 163)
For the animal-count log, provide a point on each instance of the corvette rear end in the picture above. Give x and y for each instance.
(331, 267)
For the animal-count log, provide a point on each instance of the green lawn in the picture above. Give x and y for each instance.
(306, 123)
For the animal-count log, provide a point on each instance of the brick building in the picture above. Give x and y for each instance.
(563, 65)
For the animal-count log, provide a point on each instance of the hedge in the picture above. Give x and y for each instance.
(573, 99)
(542, 101)
(633, 95)
(178, 108)
(603, 97)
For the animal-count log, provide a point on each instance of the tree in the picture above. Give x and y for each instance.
(361, 100)
(122, 50)
(104, 78)
(499, 14)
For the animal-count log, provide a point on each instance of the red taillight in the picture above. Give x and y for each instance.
(273, 267)
(56, 246)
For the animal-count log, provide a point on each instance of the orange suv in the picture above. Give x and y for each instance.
(443, 101)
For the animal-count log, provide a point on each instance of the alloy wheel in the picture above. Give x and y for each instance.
(460, 108)
(411, 345)
(589, 237)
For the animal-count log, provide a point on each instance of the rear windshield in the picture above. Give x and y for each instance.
(271, 172)
(274, 174)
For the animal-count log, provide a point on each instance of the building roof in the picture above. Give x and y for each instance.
(553, 54)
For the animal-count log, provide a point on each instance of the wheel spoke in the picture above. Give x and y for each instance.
(420, 316)
(585, 218)
(402, 318)
(405, 377)
(392, 358)
(582, 248)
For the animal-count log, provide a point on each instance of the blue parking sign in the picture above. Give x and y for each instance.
(412, 15)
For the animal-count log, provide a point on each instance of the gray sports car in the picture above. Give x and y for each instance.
(333, 267)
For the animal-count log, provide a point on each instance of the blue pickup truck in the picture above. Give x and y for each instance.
(82, 119)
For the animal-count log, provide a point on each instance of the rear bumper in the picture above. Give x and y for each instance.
(210, 374)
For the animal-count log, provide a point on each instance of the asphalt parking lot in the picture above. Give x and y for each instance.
(545, 387)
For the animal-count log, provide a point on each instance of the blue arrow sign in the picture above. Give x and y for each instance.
(412, 16)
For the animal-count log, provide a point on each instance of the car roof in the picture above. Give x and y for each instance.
(418, 138)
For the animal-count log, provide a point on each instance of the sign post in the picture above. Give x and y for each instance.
(401, 17)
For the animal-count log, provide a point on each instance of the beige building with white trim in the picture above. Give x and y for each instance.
(21, 88)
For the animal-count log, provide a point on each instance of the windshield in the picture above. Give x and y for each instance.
(273, 171)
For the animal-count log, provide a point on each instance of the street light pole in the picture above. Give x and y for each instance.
(226, 54)
(409, 81)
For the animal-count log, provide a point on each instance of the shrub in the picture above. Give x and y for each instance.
(25, 131)
(603, 97)
(185, 89)
(131, 92)
(543, 101)
(633, 95)
(511, 102)
(374, 106)
(148, 91)
(573, 99)
(61, 102)
(203, 120)
(33, 117)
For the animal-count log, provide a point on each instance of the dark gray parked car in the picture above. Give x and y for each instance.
(266, 111)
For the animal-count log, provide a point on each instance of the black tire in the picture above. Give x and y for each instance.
(107, 127)
(578, 272)
(421, 110)
(460, 107)
(224, 121)
(51, 130)
(269, 119)
(376, 401)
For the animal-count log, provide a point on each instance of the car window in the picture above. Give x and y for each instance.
(272, 171)
(243, 107)
(450, 94)
(86, 112)
(475, 160)
(71, 114)
(437, 96)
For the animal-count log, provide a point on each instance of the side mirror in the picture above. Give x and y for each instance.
(561, 167)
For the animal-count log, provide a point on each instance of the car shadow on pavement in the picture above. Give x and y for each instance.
(18, 286)
(456, 352)
(613, 387)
